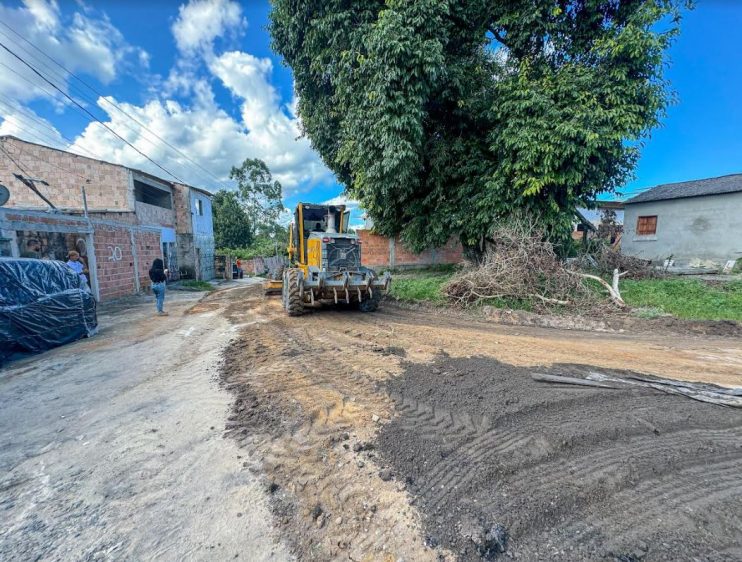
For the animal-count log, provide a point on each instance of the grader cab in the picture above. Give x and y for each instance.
(325, 263)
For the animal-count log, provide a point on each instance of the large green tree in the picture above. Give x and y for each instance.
(232, 228)
(444, 116)
(251, 210)
(259, 194)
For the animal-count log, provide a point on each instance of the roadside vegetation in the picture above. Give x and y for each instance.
(194, 285)
(421, 285)
(685, 298)
(246, 222)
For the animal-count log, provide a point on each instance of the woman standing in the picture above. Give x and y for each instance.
(158, 276)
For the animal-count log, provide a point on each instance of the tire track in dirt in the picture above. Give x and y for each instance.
(306, 393)
(306, 390)
(572, 473)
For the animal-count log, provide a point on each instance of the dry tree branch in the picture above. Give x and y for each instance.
(612, 289)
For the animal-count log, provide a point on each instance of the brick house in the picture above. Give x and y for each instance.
(132, 217)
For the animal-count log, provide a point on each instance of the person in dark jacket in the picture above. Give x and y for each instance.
(158, 276)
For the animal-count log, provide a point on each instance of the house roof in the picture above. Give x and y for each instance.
(169, 182)
(695, 188)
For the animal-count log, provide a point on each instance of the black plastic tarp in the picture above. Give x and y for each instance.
(43, 304)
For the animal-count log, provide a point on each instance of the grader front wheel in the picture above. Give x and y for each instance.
(293, 301)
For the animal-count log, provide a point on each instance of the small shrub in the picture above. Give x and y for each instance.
(648, 312)
(197, 285)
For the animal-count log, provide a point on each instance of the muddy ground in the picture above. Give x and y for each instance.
(230, 431)
(112, 448)
(416, 436)
(566, 472)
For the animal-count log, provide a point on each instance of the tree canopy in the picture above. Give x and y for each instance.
(259, 194)
(249, 212)
(443, 116)
(232, 228)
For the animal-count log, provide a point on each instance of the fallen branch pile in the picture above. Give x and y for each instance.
(607, 259)
(520, 264)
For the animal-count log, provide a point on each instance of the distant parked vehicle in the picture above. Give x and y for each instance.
(43, 304)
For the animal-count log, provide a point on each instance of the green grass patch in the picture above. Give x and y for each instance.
(686, 298)
(197, 285)
(420, 286)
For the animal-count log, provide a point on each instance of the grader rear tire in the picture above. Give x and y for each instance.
(293, 302)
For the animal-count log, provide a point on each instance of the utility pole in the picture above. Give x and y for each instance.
(85, 202)
(29, 182)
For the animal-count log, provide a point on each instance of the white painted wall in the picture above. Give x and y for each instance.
(705, 228)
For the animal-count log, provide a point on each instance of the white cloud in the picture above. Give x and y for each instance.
(273, 135)
(83, 42)
(203, 131)
(182, 109)
(46, 14)
(352, 205)
(210, 136)
(200, 22)
(23, 123)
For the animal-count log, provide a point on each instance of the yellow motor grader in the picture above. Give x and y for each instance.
(325, 264)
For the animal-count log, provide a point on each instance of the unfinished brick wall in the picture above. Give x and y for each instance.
(379, 251)
(115, 261)
(66, 173)
(111, 251)
(374, 249)
(148, 249)
(10, 216)
(182, 208)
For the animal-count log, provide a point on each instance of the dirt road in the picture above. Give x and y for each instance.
(381, 440)
(113, 447)
(229, 429)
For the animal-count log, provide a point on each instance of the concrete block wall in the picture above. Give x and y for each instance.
(148, 249)
(154, 215)
(115, 262)
(207, 253)
(705, 230)
(182, 209)
(379, 251)
(121, 267)
(108, 187)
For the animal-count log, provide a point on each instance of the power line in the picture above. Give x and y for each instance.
(66, 95)
(50, 94)
(46, 133)
(209, 174)
(21, 168)
(36, 157)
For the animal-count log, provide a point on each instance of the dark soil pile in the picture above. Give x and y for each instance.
(503, 466)
(254, 412)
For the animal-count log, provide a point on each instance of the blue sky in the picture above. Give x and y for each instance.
(701, 136)
(201, 75)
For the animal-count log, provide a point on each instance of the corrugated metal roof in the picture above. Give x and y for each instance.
(695, 188)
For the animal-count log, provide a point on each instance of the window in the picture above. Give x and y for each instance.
(646, 226)
(145, 193)
(199, 207)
